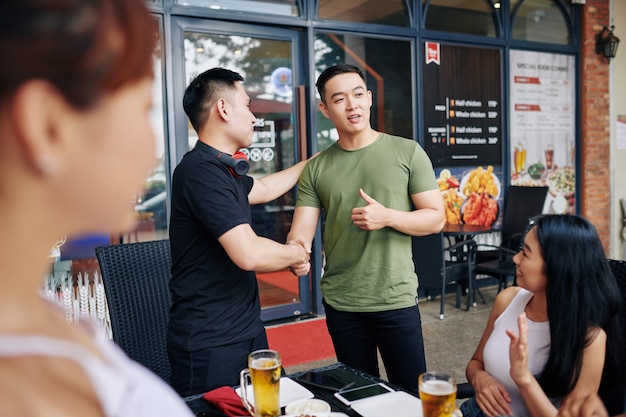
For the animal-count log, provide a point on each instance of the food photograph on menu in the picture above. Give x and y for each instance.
(474, 199)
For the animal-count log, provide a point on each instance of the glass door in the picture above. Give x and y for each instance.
(267, 58)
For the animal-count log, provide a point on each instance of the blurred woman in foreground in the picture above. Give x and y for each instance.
(551, 337)
(75, 146)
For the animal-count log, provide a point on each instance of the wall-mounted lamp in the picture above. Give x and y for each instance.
(607, 42)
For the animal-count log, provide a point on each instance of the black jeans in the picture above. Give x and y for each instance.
(196, 372)
(396, 333)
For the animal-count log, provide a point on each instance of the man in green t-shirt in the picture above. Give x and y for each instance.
(377, 191)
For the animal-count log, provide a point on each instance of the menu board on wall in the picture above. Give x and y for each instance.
(542, 108)
(462, 108)
(463, 129)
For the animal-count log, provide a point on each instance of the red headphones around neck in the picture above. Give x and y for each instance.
(237, 163)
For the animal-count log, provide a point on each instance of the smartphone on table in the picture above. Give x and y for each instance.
(354, 395)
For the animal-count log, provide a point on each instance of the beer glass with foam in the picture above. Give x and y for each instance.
(438, 395)
(264, 368)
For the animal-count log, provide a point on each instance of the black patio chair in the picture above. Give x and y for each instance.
(136, 278)
(614, 395)
(437, 268)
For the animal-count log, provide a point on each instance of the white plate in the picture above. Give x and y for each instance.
(496, 180)
(396, 404)
(290, 391)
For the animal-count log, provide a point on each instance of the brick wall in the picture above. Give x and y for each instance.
(594, 175)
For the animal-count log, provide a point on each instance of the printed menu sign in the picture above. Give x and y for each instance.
(463, 130)
(542, 108)
(462, 105)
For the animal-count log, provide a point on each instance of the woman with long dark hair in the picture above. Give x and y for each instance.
(550, 337)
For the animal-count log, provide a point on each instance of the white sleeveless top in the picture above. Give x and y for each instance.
(124, 387)
(496, 351)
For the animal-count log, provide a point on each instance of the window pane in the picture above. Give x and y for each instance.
(388, 12)
(278, 7)
(263, 63)
(151, 206)
(389, 79)
(474, 17)
(539, 21)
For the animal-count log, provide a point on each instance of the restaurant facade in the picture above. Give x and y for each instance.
(510, 89)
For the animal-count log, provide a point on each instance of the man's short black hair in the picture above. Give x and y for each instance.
(330, 72)
(200, 95)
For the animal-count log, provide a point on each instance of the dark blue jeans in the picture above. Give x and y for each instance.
(196, 372)
(396, 333)
(470, 409)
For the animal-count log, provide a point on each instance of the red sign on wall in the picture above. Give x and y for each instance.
(433, 53)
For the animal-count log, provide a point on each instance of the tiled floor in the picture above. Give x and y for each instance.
(449, 343)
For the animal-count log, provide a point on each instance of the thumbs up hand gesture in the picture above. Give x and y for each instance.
(372, 216)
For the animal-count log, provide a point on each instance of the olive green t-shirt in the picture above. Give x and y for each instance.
(366, 271)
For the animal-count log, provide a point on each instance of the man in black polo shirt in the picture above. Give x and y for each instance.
(215, 315)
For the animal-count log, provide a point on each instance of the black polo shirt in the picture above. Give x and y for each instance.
(214, 302)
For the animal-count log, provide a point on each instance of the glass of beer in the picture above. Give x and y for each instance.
(264, 371)
(549, 156)
(438, 395)
(519, 158)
